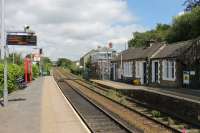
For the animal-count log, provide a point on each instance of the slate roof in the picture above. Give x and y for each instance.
(138, 53)
(174, 50)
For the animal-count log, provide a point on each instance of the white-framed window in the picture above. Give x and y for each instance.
(169, 70)
(137, 69)
(128, 69)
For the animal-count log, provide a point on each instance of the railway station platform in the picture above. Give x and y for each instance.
(180, 103)
(40, 108)
(187, 94)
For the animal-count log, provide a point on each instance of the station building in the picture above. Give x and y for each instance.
(177, 65)
(174, 65)
(133, 63)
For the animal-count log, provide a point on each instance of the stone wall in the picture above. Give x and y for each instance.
(180, 108)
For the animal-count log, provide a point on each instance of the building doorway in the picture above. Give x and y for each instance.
(143, 66)
(155, 72)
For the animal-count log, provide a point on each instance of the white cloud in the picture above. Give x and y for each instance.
(181, 13)
(69, 28)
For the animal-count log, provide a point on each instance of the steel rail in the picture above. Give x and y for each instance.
(106, 113)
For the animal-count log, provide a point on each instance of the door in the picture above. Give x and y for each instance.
(143, 72)
(155, 72)
(195, 76)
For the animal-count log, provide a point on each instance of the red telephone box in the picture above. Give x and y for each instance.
(27, 70)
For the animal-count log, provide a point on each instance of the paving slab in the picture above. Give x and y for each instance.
(40, 108)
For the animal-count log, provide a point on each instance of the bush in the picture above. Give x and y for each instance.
(14, 72)
(1, 90)
(155, 113)
(191, 23)
(35, 70)
(47, 68)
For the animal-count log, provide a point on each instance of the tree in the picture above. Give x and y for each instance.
(185, 27)
(142, 39)
(88, 70)
(63, 62)
(46, 64)
(191, 4)
(88, 64)
(46, 60)
(16, 57)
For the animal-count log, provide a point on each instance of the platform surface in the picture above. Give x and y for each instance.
(187, 94)
(40, 108)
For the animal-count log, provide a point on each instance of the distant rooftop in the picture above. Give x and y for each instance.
(138, 53)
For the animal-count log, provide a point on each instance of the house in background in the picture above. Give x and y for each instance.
(133, 64)
(100, 60)
(177, 65)
(84, 59)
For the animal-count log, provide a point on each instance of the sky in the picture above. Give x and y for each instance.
(151, 12)
(70, 28)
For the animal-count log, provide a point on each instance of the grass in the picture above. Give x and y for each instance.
(155, 113)
(171, 121)
(117, 97)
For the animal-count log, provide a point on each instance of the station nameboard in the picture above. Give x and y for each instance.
(25, 39)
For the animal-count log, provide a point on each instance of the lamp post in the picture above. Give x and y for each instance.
(4, 52)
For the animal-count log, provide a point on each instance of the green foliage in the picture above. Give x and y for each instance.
(142, 39)
(88, 69)
(1, 90)
(171, 121)
(156, 113)
(88, 64)
(46, 60)
(14, 72)
(17, 58)
(76, 70)
(35, 70)
(47, 64)
(185, 27)
(63, 62)
(191, 4)
(114, 95)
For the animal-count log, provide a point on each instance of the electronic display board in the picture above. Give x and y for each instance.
(25, 39)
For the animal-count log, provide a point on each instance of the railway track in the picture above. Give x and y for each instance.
(96, 118)
(161, 122)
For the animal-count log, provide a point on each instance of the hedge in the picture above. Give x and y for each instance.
(14, 72)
